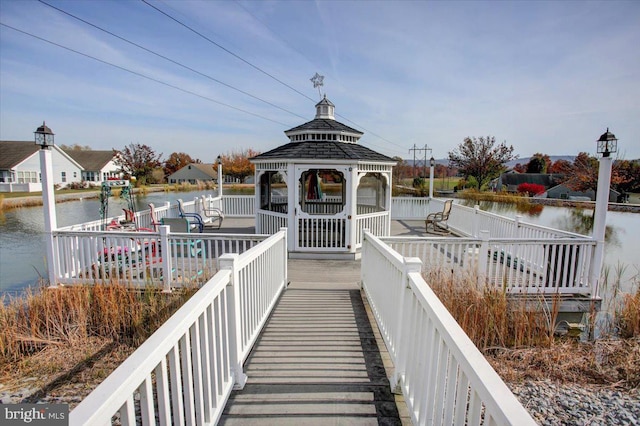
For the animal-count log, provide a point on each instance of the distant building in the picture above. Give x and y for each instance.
(191, 173)
(510, 181)
(20, 167)
(97, 165)
(563, 192)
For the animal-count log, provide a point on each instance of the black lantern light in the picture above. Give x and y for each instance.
(44, 136)
(432, 162)
(219, 160)
(607, 143)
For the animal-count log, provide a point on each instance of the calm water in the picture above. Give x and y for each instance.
(22, 258)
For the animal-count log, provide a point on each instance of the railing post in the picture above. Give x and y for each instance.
(517, 223)
(411, 264)
(234, 320)
(483, 255)
(475, 223)
(165, 249)
(285, 257)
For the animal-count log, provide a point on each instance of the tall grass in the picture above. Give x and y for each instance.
(491, 318)
(72, 315)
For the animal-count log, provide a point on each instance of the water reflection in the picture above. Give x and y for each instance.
(580, 221)
(524, 207)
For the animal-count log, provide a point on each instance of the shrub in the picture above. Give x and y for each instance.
(531, 188)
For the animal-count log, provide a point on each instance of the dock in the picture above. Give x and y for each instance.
(317, 361)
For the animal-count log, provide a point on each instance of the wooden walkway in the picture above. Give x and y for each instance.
(317, 361)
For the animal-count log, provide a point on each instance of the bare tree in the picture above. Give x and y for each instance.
(139, 161)
(481, 158)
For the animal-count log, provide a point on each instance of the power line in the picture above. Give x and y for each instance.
(225, 49)
(258, 68)
(170, 60)
(143, 75)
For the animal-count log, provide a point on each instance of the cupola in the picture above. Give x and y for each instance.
(325, 109)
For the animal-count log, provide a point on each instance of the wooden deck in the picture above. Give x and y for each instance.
(317, 361)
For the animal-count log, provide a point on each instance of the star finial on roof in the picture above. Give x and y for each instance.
(317, 81)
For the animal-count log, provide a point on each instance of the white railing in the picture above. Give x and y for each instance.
(547, 266)
(162, 258)
(379, 224)
(185, 372)
(409, 208)
(329, 234)
(238, 205)
(444, 378)
(270, 222)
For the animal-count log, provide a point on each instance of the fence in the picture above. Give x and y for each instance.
(162, 258)
(185, 372)
(444, 378)
(552, 265)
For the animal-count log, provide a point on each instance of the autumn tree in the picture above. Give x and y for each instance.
(75, 147)
(538, 163)
(236, 164)
(481, 158)
(629, 172)
(583, 174)
(561, 167)
(176, 161)
(139, 161)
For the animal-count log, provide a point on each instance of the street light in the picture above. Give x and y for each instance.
(219, 162)
(607, 144)
(432, 163)
(44, 137)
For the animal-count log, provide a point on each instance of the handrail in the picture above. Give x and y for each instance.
(188, 367)
(444, 378)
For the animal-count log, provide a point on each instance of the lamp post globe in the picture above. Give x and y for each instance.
(607, 143)
(43, 136)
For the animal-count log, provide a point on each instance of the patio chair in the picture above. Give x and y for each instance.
(436, 223)
(186, 248)
(154, 220)
(215, 215)
(194, 218)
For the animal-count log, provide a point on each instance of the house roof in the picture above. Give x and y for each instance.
(324, 124)
(207, 168)
(90, 160)
(15, 152)
(325, 150)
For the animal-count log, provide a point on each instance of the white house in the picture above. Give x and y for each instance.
(97, 165)
(20, 167)
(194, 172)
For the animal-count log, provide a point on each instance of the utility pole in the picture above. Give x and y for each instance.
(424, 166)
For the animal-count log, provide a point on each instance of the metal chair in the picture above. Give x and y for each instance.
(194, 218)
(215, 215)
(438, 220)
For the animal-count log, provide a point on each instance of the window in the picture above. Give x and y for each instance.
(75, 174)
(63, 176)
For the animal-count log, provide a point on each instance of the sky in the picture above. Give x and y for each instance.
(215, 77)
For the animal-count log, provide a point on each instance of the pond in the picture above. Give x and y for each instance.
(22, 258)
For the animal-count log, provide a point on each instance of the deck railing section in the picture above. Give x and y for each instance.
(238, 205)
(551, 266)
(268, 222)
(411, 208)
(144, 258)
(185, 372)
(378, 223)
(444, 378)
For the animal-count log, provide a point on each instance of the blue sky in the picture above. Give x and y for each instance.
(543, 76)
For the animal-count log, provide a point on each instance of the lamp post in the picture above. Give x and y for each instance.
(44, 138)
(219, 162)
(607, 144)
(432, 164)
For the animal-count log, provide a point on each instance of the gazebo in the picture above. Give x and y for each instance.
(324, 187)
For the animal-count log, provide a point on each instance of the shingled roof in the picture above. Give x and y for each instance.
(90, 160)
(324, 124)
(325, 150)
(15, 152)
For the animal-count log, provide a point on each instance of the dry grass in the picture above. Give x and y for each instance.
(71, 316)
(519, 340)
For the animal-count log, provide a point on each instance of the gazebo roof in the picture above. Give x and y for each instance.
(324, 124)
(325, 150)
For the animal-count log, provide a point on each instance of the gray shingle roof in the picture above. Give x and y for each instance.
(90, 160)
(324, 124)
(312, 150)
(13, 153)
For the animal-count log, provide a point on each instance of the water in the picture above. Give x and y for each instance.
(22, 258)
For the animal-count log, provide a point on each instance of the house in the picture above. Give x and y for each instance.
(563, 192)
(510, 181)
(194, 172)
(20, 167)
(97, 165)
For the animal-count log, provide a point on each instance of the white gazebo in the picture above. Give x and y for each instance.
(324, 187)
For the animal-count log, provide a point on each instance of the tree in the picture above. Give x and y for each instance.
(236, 164)
(176, 161)
(562, 167)
(139, 161)
(539, 163)
(75, 147)
(481, 159)
(583, 174)
(629, 172)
